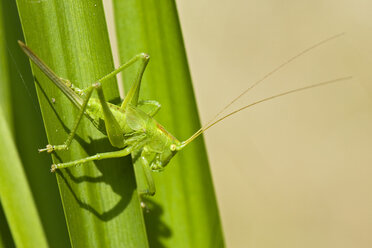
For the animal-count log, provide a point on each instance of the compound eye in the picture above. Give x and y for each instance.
(173, 147)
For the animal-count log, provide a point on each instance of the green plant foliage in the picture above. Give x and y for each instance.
(6, 239)
(16, 196)
(101, 207)
(28, 129)
(100, 199)
(183, 212)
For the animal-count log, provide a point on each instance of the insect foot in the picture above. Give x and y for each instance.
(49, 148)
(145, 56)
(53, 168)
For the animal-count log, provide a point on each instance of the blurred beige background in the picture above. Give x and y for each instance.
(295, 171)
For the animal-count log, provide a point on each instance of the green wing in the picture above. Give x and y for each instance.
(136, 119)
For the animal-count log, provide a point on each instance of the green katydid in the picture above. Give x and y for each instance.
(130, 128)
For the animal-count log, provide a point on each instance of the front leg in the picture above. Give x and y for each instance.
(151, 190)
(144, 179)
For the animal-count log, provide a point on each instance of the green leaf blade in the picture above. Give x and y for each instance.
(184, 210)
(28, 131)
(100, 199)
(16, 196)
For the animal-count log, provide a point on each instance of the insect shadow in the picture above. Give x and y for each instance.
(157, 230)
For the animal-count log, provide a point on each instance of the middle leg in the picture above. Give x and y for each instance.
(98, 156)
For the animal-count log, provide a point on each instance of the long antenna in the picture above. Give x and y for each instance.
(203, 129)
(276, 69)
